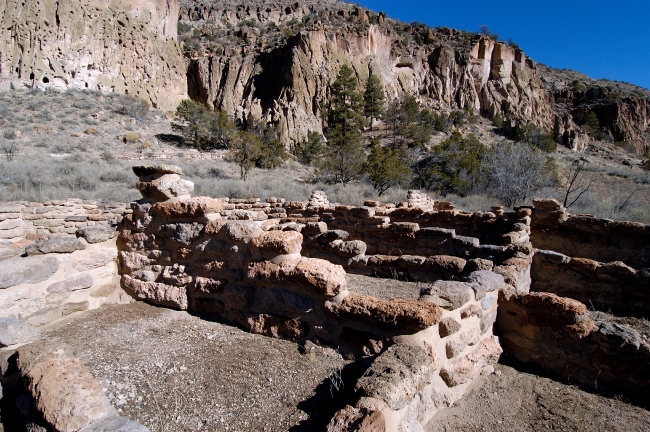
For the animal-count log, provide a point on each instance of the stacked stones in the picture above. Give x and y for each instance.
(557, 334)
(417, 199)
(412, 380)
(10, 222)
(318, 199)
(162, 183)
(40, 221)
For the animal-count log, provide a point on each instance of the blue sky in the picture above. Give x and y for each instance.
(602, 39)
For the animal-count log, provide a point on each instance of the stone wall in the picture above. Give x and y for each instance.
(556, 334)
(588, 237)
(180, 252)
(39, 221)
(60, 276)
(612, 286)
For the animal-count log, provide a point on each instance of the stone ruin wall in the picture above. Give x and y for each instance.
(199, 254)
(278, 268)
(602, 263)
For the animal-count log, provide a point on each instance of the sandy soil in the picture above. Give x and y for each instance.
(511, 400)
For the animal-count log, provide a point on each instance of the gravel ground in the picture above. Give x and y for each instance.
(172, 371)
(384, 288)
(510, 400)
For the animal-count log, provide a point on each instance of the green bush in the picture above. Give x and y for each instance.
(310, 151)
(453, 167)
(387, 168)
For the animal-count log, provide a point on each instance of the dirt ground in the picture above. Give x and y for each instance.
(511, 400)
(173, 371)
(384, 288)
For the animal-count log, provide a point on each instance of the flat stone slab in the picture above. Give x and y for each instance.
(74, 283)
(148, 170)
(14, 331)
(55, 245)
(29, 270)
(97, 233)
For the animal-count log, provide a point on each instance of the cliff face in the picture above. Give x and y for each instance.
(289, 85)
(128, 46)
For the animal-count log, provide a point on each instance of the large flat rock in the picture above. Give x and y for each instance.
(29, 270)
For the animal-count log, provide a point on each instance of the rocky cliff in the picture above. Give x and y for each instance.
(277, 62)
(127, 46)
(289, 84)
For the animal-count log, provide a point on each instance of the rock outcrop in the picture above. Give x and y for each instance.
(125, 46)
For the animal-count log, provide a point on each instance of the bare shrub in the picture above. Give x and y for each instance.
(513, 173)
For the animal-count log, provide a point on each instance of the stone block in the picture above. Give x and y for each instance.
(74, 283)
(483, 281)
(184, 233)
(55, 245)
(96, 233)
(280, 242)
(448, 326)
(397, 375)
(28, 270)
(448, 295)
(189, 208)
(402, 315)
(156, 293)
(14, 331)
(240, 231)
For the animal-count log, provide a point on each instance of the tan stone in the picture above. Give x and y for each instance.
(281, 242)
(165, 190)
(156, 293)
(320, 276)
(359, 420)
(275, 326)
(446, 263)
(405, 315)
(465, 368)
(554, 302)
(65, 392)
(190, 208)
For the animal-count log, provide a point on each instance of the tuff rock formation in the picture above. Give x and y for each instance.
(126, 46)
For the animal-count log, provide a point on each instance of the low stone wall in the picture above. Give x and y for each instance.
(179, 252)
(612, 286)
(556, 334)
(40, 221)
(588, 237)
(59, 277)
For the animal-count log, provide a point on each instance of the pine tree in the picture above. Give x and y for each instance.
(373, 99)
(387, 168)
(346, 153)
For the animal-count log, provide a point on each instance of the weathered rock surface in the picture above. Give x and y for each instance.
(14, 331)
(97, 233)
(74, 283)
(28, 270)
(402, 314)
(55, 245)
(118, 45)
(114, 424)
(64, 391)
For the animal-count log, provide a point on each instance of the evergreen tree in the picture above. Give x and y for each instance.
(373, 99)
(245, 151)
(311, 150)
(346, 153)
(387, 168)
